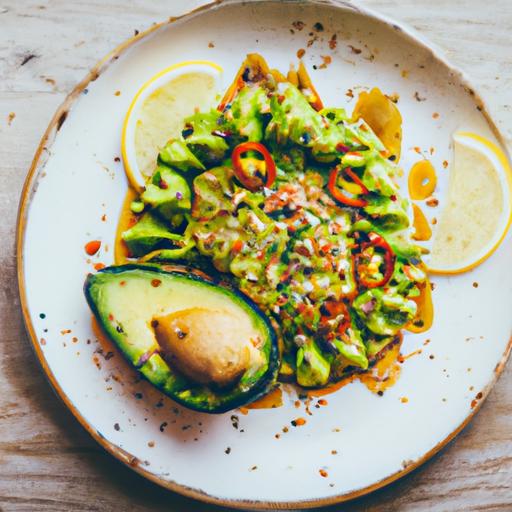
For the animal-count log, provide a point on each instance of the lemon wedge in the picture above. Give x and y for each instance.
(477, 211)
(157, 112)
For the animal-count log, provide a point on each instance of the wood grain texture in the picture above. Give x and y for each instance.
(47, 461)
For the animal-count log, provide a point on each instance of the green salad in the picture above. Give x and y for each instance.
(297, 206)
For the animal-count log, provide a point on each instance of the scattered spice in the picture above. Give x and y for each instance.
(42, 316)
(211, 45)
(300, 53)
(299, 422)
(99, 266)
(156, 283)
(151, 444)
(327, 59)
(432, 202)
(404, 399)
(323, 473)
(355, 50)
(117, 427)
(10, 118)
(417, 97)
(117, 93)
(404, 73)
(435, 115)
(254, 468)
(235, 421)
(163, 425)
(322, 401)
(227, 451)
(434, 221)
(42, 341)
(318, 27)
(92, 247)
(334, 452)
(333, 42)
(475, 285)
(431, 356)
(445, 164)
(298, 25)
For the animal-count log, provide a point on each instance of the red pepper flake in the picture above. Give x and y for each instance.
(111, 317)
(99, 266)
(92, 247)
(156, 283)
(300, 53)
(432, 202)
(237, 246)
(117, 93)
(323, 402)
(299, 422)
(323, 473)
(122, 283)
(417, 149)
(163, 184)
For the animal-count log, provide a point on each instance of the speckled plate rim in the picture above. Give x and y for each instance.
(30, 186)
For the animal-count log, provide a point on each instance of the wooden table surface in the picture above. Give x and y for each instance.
(47, 461)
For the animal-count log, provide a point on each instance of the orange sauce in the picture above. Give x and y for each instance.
(126, 220)
(271, 400)
(422, 230)
(425, 316)
(422, 180)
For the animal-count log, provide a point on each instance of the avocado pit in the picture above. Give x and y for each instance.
(208, 346)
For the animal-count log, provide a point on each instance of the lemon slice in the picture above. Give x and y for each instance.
(157, 112)
(477, 212)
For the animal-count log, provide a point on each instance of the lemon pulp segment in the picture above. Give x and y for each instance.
(160, 117)
(476, 210)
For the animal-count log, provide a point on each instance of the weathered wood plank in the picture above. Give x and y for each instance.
(47, 461)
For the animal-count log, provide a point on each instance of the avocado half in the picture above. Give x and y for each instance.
(126, 300)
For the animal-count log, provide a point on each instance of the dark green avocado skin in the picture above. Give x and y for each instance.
(193, 396)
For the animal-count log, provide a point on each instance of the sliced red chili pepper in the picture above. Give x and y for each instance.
(247, 181)
(378, 242)
(339, 195)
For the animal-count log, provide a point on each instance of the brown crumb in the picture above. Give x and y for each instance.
(334, 452)
(117, 93)
(298, 25)
(349, 93)
(323, 473)
(300, 53)
(333, 42)
(10, 118)
(211, 45)
(435, 115)
(355, 50)
(431, 356)
(151, 444)
(254, 468)
(104, 217)
(285, 429)
(475, 285)
(445, 164)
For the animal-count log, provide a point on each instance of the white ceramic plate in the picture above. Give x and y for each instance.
(74, 193)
